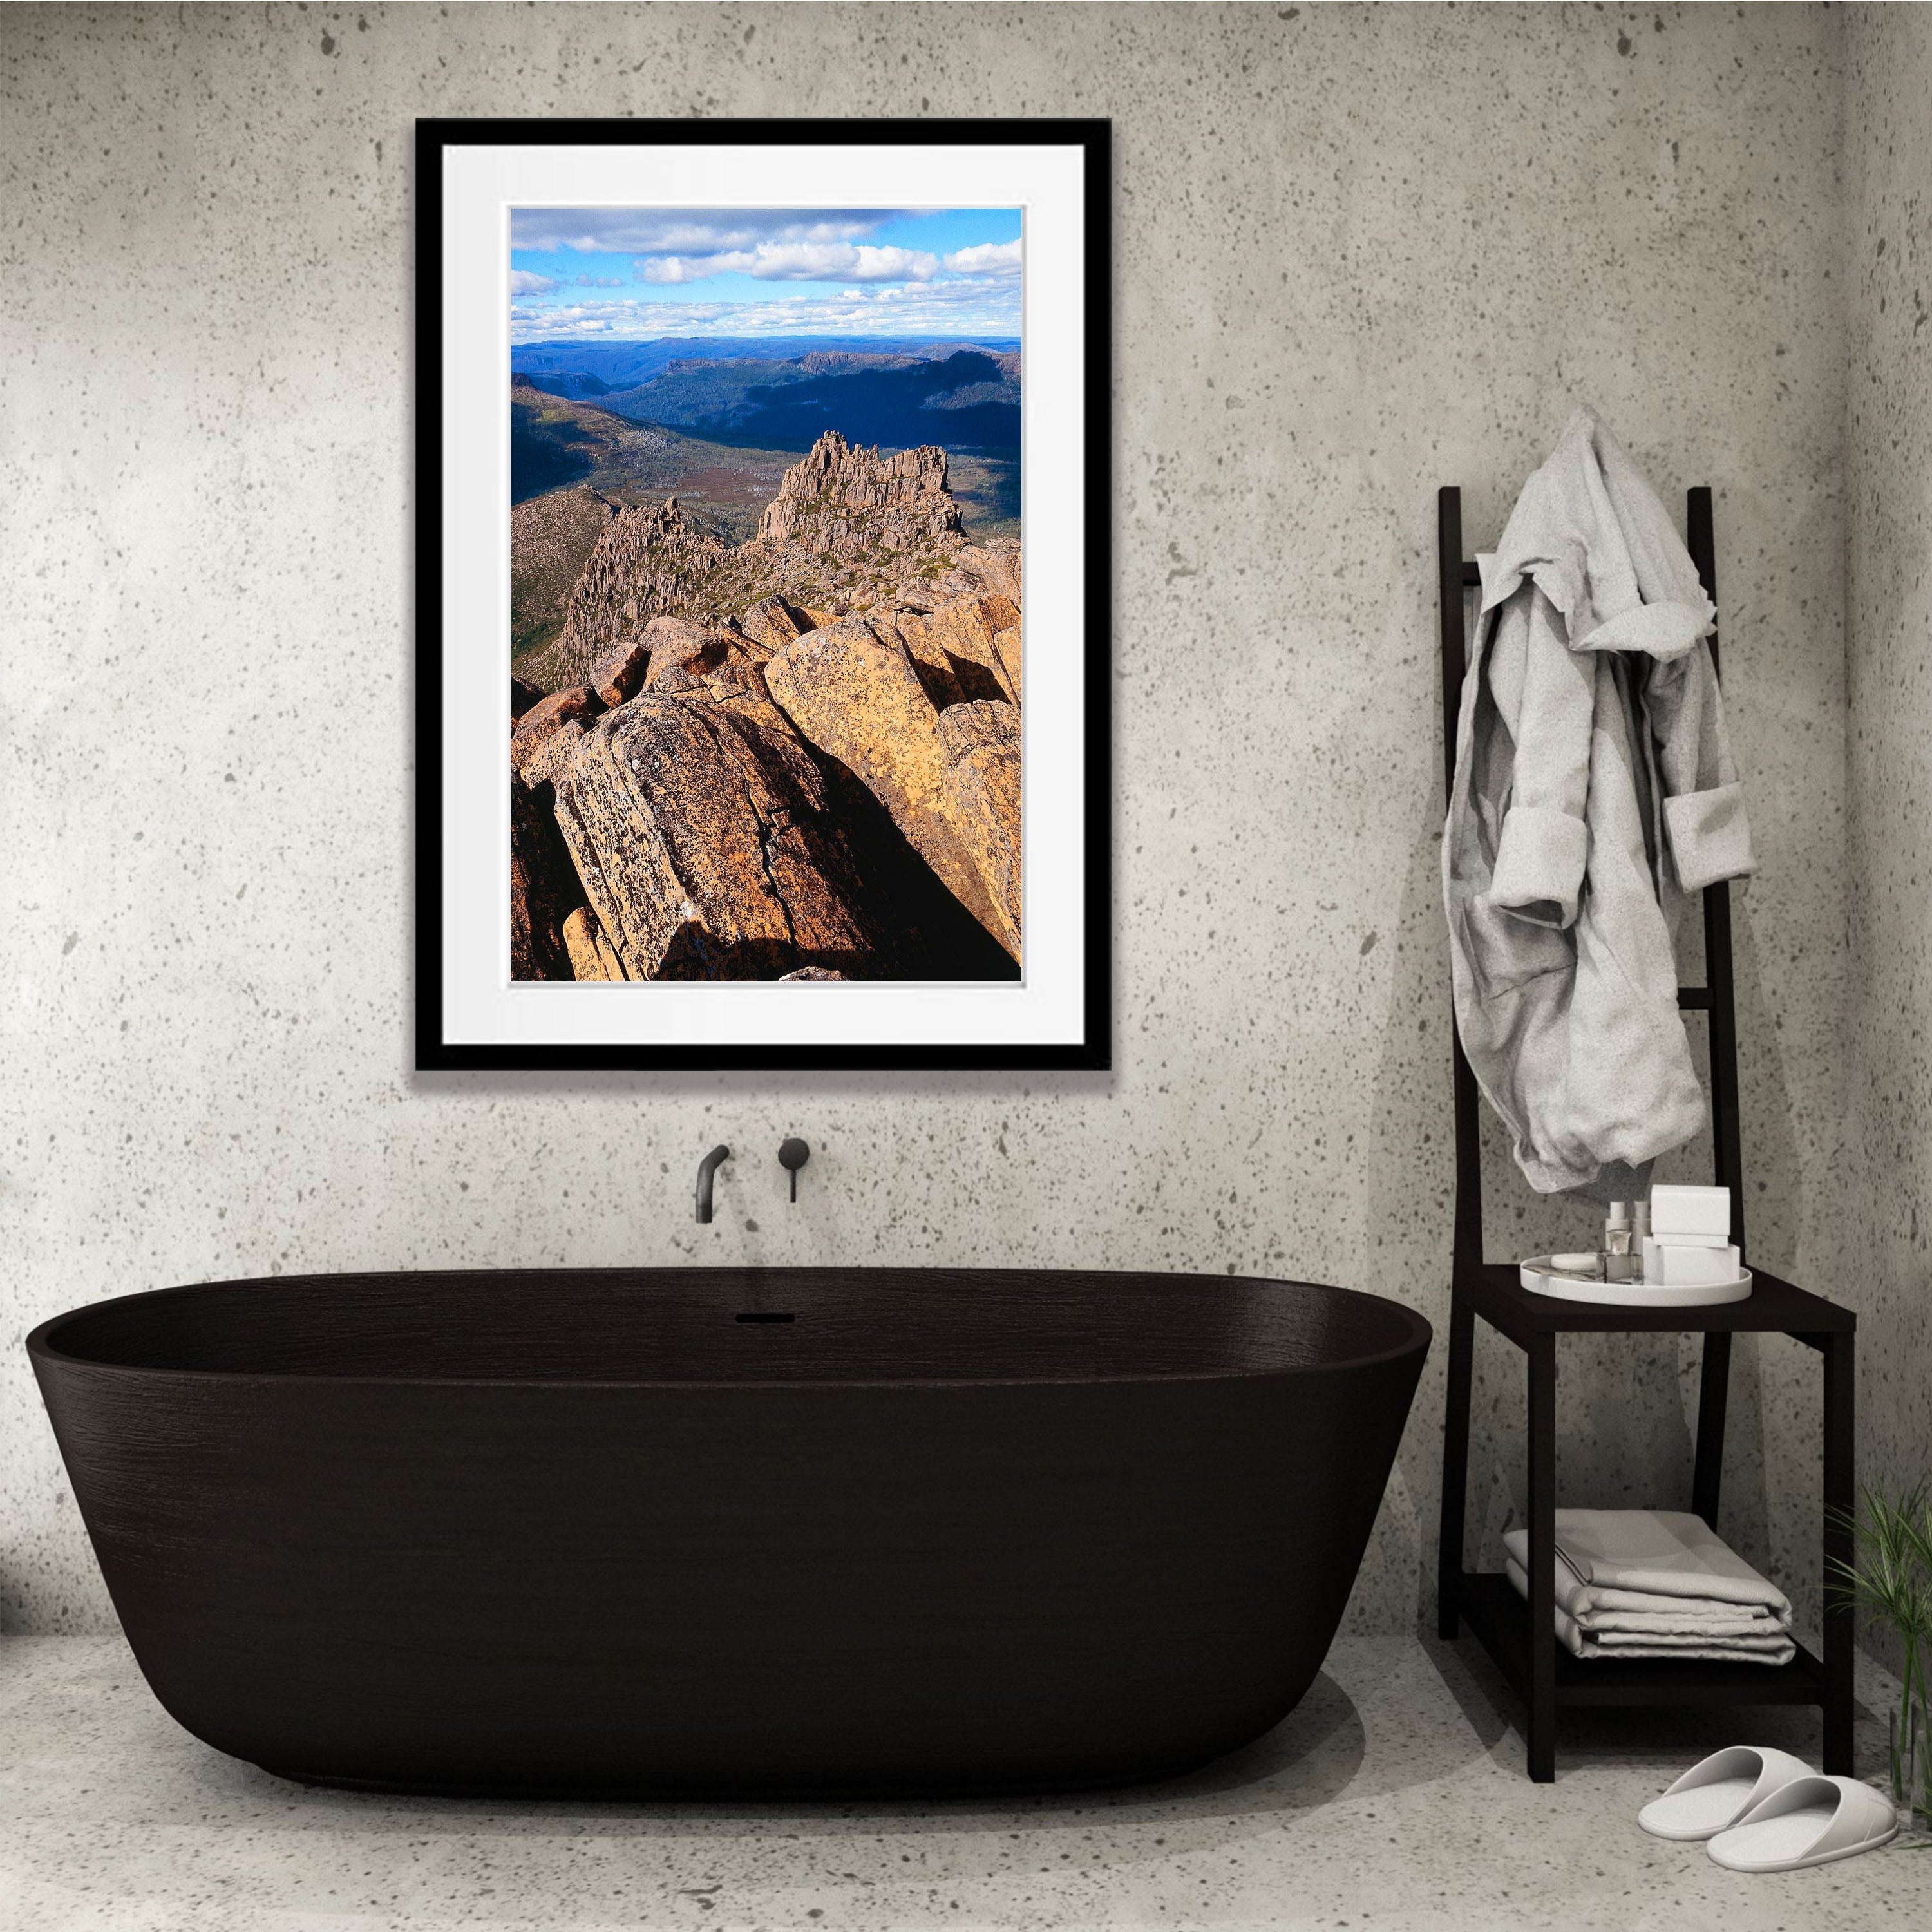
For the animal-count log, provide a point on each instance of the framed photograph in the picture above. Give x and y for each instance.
(763, 587)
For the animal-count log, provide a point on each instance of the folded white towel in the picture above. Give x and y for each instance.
(1649, 1552)
(1775, 1644)
(1582, 1596)
(1774, 1647)
(1679, 1619)
(1777, 1649)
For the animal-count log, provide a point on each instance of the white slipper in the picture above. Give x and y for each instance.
(1713, 1795)
(1809, 1821)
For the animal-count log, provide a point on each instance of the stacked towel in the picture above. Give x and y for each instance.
(1657, 1583)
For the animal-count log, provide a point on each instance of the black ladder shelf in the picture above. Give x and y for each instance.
(1520, 1636)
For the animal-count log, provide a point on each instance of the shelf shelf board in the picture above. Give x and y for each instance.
(1773, 1307)
(1499, 1619)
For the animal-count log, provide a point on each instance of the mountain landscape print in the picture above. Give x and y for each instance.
(765, 596)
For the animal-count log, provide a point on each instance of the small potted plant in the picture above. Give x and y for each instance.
(1889, 1582)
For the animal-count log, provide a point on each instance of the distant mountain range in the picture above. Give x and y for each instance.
(622, 365)
(784, 394)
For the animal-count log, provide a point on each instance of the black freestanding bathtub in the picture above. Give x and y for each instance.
(718, 1532)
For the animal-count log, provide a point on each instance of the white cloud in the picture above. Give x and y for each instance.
(939, 308)
(667, 271)
(645, 231)
(794, 262)
(522, 282)
(988, 258)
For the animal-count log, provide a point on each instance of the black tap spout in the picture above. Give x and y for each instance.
(706, 1168)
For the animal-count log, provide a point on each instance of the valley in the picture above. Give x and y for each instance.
(597, 428)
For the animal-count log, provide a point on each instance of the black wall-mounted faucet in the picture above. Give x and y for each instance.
(706, 1168)
(793, 1154)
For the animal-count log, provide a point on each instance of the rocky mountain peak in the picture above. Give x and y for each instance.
(646, 563)
(849, 530)
(842, 500)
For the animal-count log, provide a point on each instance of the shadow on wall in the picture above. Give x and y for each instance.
(1770, 1506)
(1415, 1206)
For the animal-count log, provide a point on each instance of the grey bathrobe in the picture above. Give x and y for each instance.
(1594, 789)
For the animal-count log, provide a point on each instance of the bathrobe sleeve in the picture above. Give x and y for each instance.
(1705, 826)
(1705, 833)
(1545, 694)
(1541, 575)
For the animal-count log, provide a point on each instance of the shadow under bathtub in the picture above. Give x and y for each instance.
(1307, 1760)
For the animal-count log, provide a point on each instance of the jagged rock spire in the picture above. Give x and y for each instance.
(844, 500)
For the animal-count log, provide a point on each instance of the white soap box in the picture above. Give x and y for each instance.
(1672, 1263)
(1695, 1215)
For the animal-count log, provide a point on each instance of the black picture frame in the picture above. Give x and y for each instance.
(435, 1053)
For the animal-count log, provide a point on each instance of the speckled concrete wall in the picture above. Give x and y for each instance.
(1361, 252)
(1889, 175)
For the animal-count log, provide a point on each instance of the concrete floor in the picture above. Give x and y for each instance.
(1394, 1797)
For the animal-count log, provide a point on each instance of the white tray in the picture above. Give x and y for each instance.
(1538, 1278)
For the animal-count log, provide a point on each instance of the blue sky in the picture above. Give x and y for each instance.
(633, 274)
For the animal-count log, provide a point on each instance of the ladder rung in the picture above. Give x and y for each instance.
(1693, 999)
